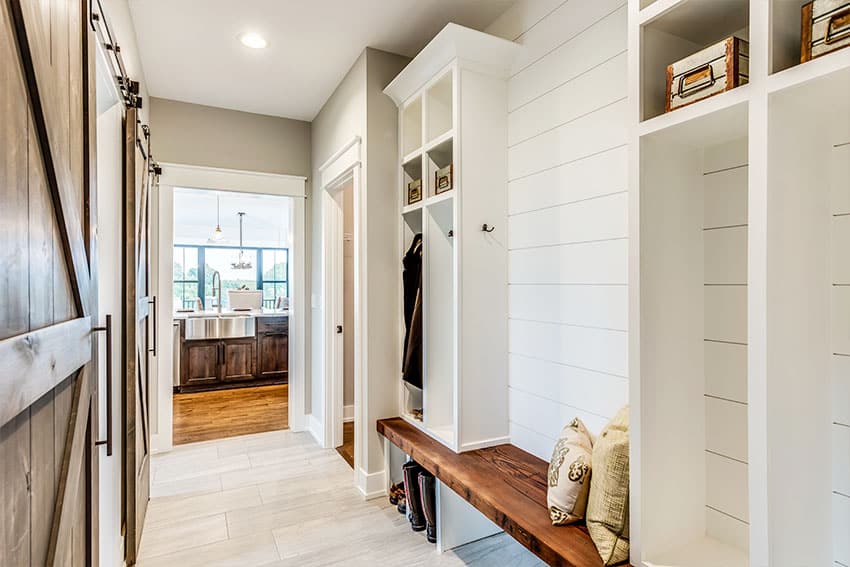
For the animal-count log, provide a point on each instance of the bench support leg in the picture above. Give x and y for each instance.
(458, 523)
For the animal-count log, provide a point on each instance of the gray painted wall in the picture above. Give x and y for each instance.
(216, 137)
(358, 107)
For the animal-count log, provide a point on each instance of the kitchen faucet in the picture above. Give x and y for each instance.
(215, 273)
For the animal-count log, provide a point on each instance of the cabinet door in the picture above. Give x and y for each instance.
(274, 354)
(239, 360)
(200, 363)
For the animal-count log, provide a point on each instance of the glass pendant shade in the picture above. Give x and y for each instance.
(241, 264)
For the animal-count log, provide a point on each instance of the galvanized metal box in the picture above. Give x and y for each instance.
(714, 70)
(826, 28)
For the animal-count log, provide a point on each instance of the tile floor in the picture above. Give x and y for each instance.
(277, 499)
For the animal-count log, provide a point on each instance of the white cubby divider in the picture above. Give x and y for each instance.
(452, 101)
(739, 385)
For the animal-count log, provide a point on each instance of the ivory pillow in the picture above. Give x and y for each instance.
(569, 474)
(608, 505)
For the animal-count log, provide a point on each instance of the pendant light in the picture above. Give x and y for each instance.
(217, 233)
(241, 264)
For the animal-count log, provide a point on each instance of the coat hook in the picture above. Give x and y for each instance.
(451, 234)
(488, 228)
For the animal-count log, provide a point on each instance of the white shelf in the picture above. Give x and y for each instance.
(412, 208)
(439, 140)
(804, 73)
(713, 120)
(412, 156)
(700, 21)
(441, 198)
(705, 552)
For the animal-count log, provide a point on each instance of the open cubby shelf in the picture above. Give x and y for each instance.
(460, 77)
(739, 345)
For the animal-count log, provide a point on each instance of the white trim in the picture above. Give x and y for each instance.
(485, 443)
(235, 180)
(371, 485)
(339, 153)
(314, 426)
(348, 413)
(343, 166)
(199, 177)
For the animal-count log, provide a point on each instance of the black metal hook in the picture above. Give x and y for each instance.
(487, 228)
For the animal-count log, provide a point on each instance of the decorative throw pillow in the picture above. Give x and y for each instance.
(569, 474)
(608, 505)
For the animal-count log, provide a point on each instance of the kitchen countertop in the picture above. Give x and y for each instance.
(227, 312)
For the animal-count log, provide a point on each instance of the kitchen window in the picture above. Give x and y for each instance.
(194, 267)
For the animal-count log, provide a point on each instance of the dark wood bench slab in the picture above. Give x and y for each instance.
(506, 484)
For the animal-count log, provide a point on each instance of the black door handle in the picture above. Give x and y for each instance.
(108, 329)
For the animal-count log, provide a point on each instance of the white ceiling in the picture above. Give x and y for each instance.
(267, 218)
(190, 51)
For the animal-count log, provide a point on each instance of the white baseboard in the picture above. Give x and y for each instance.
(316, 429)
(348, 413)
(159, 444)
(371, 485)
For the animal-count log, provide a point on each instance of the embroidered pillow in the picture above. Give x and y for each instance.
(608, 504)
(569, 474)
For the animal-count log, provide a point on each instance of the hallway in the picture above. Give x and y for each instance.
(275, 499)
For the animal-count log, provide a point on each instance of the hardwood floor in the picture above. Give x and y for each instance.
(203, 416)
(346, 450)
(279, 500)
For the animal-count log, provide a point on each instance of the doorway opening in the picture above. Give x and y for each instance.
(231, 307)
(345, 198)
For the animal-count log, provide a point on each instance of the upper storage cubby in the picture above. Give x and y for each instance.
(827, 31)
(675, 29)
(440, 107)
(411, 127)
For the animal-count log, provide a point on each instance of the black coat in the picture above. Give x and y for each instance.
(412, 281)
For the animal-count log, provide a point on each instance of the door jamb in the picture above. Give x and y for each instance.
(342, 168)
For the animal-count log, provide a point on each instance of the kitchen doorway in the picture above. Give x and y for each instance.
(231, 313)
(231, 257)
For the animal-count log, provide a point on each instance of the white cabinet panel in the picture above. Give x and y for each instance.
(841, 389)
(840, 180)
(604, 262)
(726, 313)
(598, 131)
(726, 428)
(841, 459)
(726, 486)
(725, 255)
(725, 528)
(726, 371)
(841, 320)
(841, 250)
(594, 392)
(600, 42)
(585, 305)
(598, 87)
(841, 525)
(601, 174)
(592, 349)
(602, 218)
(725, 198)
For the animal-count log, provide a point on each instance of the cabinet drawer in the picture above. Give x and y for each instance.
(272, 325)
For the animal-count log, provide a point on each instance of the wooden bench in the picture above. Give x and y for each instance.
(506, 484)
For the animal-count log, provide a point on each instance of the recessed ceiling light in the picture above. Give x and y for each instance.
(253, 40)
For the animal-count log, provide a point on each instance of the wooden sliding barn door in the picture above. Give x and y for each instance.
(48, 285)
(137, 335)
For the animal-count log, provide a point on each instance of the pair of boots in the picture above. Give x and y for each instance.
(421, 499)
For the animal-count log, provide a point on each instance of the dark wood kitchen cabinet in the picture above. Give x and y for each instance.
(229, 363)
(200, 363)
(238, 359)
(273, 348)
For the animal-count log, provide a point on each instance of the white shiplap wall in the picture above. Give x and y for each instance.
(725, 173)
(568, 211)
(841, 353)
